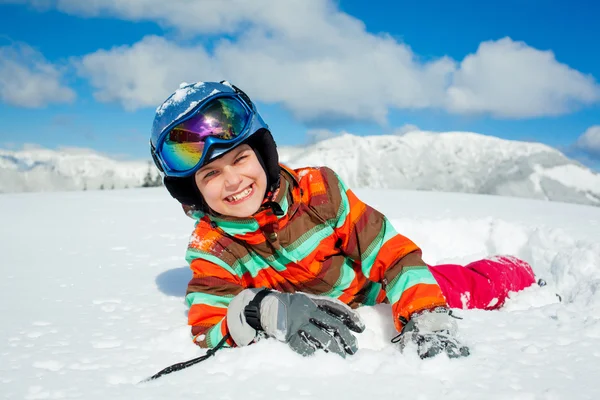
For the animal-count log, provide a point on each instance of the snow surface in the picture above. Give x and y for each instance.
(92, 302)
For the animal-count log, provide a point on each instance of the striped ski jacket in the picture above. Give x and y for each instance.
(324, 241)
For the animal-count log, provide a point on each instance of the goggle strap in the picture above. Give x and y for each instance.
(155, 158)
(242, 95)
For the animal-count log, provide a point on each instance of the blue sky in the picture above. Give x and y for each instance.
(79, 74)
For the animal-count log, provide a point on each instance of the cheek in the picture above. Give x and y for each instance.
(259, 173)
(208, 190)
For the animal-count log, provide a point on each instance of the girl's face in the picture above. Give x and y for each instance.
(234, 184)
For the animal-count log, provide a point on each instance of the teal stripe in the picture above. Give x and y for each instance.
(409, 277)
(347, 275)
(208, 299)
(344, 208)
(284, 205)
(386, 233)
(214, 335)
(253, 263)
(373, 249)
(279, 260)
(237, 227)
(372, 294)
(191, 254)
(309, 241)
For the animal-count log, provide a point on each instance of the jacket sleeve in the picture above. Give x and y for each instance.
(208, 294)
(384, 256)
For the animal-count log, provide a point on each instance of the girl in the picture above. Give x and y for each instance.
(288, 253)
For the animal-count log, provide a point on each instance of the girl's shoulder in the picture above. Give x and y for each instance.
(205, 237)
(315, 180)
(321, 190)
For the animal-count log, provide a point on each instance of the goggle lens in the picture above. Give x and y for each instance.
(223, 118)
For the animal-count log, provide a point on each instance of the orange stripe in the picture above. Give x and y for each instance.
(201, 268)
(357, 208)
(357, 283)
(225, 331)
(199, 314)
(203, 239)
(393, 250)
(252, 238)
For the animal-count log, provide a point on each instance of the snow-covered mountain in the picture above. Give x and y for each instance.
(453, 162)
(37, 170)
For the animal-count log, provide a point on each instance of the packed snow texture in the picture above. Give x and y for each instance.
(92, 301)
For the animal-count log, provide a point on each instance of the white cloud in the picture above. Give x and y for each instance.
(27, 79)
(510, 79)
(318, 135)
(321, 63)
(406, 128)
(146, 73)
(205, 17)
(9, 145)
(31, 146)
(589, 142)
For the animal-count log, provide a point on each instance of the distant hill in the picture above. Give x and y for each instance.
(454, 162)
(49, 170)
(451, 161)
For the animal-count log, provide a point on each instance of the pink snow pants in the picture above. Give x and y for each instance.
(484, 283)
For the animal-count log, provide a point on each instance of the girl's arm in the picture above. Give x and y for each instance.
(385, 256)
(212, 287)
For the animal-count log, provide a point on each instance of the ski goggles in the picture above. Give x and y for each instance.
(212, 128)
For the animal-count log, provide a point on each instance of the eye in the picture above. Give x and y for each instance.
(209, 174)
(240, 158)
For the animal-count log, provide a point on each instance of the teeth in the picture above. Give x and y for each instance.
(240, 195)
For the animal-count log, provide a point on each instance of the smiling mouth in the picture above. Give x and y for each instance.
(240, 196)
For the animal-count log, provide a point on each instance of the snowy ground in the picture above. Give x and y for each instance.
(92, 288)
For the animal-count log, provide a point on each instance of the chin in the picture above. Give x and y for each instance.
(242, 213)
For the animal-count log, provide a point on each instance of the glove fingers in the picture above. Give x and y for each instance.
(339, 310)
(338, 330)
(321, 340)
(343, 313)
(455, 350)
(428, 345)
(301, 346)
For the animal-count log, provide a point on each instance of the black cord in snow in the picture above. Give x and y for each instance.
(185, 364)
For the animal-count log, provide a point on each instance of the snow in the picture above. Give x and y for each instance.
(37, 170)
(92, 300)
(449, 162)
(573, 175)
(180, 95)
(452, 162)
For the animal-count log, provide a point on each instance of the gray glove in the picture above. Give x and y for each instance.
(305, 322)
(434, 332)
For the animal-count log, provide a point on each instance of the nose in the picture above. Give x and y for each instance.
(232, 177)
